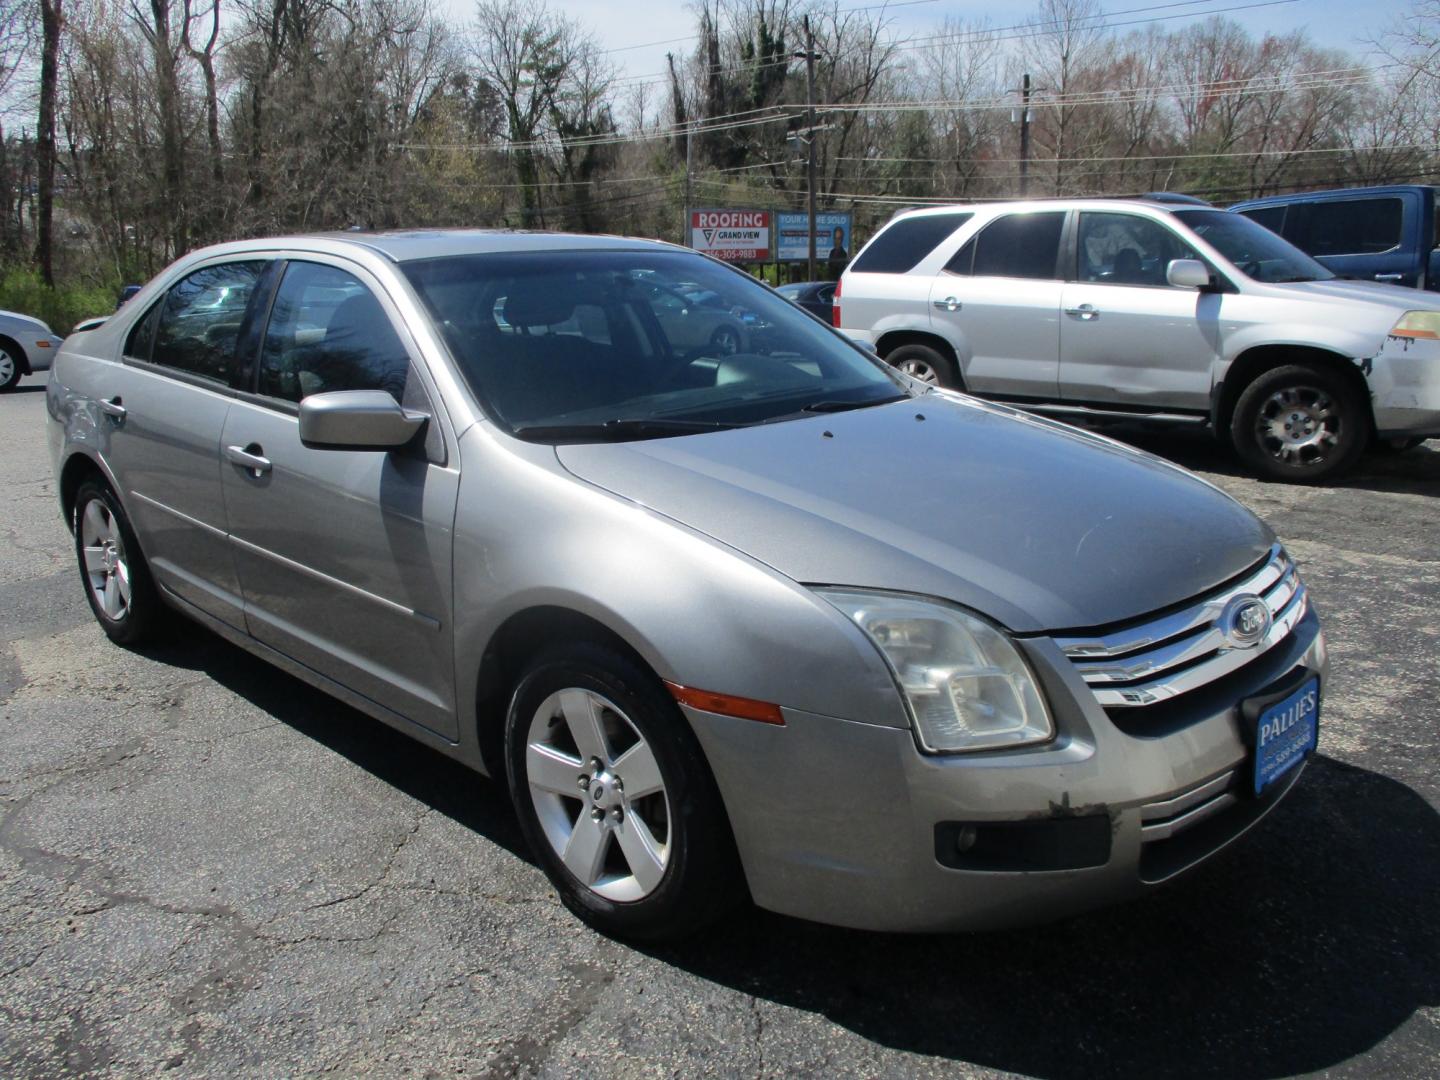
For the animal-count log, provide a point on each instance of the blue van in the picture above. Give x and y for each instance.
(1371, 234)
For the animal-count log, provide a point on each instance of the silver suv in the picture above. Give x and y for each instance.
(673, 594)
(1105, 310)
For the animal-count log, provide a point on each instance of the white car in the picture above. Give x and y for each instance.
(26, 346)
(1107, 310)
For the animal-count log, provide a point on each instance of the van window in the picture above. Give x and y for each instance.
(903, 245)
(1352, 226)
(1019, 246)
(1272, 217)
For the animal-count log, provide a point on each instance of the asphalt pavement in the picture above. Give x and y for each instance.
(209, 869)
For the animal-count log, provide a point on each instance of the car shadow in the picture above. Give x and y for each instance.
(29, 388)
(1415, 472)
(1311, 941)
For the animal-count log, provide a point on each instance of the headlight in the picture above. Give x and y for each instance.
(967, 686)
(1418, 324)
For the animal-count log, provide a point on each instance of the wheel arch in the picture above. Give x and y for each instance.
(13, 347)
(1251, 363)
(78, 468)
(891, 340)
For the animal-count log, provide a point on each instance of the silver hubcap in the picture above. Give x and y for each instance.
(106, 569)
(7, 367)
(918, 369)
(1298, 425)
(599, 795)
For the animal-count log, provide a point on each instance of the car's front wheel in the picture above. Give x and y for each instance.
(10, 367)
(1299, 423)
(117, 580)
(615, 798)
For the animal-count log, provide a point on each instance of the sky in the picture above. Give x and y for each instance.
(621, 25)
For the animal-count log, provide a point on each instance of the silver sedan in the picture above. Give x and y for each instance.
(26, 346)
(682, 600)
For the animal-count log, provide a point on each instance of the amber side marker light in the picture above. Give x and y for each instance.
(727, 704)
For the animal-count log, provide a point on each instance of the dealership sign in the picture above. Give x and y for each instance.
(832, 237)
(732, 235)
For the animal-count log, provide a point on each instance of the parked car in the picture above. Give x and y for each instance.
(816, 297)
(693, 320)
(26, 346)
(1129, 310)
(681, 601)
(1383, 234)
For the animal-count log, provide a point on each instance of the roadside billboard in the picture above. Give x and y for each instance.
(832, 237)
(732, 235)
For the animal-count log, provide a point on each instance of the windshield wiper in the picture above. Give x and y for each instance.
(845, 406)
(621, 429)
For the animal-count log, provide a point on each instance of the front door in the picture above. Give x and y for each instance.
(344, 556)
(1127, 336)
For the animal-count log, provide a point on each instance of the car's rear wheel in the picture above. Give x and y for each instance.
(615, 798)
(9, 367)
(117, 580)
(1299, 423)
(924, 363)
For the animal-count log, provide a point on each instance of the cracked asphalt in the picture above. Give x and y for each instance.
(209, 869)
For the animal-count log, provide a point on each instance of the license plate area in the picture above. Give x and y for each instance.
(1283, 729)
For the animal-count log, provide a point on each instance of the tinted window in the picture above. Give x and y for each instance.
(1272, 217)
(901, 247)
(200, 319)
(584, 345)
(1256, 251)
(1123, 249)
(328, 332)
(142, 335)
(1352, 227)
(1019, 246)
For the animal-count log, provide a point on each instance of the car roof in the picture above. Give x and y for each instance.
(1332, 193)
(410, 244)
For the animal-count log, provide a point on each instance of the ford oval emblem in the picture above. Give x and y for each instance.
(1245, 622)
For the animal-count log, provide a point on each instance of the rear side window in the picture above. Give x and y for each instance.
(1018, 246)
(199, 320)
(1272, 217)
(901, 247)
(328, 332)
(1352, 227)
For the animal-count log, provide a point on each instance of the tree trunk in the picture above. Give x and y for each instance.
(51, 21)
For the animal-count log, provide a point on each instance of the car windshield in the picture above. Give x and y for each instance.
(606, 345)
(1256, 252)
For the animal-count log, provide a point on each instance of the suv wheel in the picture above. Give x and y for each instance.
(1299, 424)
(117, 580)
(615, 798)
(924, 363)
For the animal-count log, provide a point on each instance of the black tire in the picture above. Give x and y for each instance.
(923, 362)
(142, 620)
(1300, 424)
(702, 878)
(10, 372)
(1394, 447)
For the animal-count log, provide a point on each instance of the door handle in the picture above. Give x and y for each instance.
(948, 304)
(113, 408)
(1389, 277)
(1084, 311)
(250, 458)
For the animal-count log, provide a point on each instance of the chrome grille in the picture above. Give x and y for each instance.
(1152, 661)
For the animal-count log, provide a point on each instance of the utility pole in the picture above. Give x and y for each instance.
(1024, 134)
(810, 120)
(686, 237)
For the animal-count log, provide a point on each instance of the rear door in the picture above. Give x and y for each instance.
(1128, 336)
(1367, 238)
(171, 397)
(1000, 295)
(344, 556)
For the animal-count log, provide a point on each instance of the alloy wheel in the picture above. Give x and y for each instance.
(1299, 425)
(599, 794)
(107, 572)
(919, 369)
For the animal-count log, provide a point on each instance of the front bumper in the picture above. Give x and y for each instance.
(838, 821)
(1404, 382)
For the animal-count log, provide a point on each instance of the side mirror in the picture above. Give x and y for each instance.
(1188, 274)
(357, 420)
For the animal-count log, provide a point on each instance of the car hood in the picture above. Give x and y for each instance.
(1037, 525)
(1389, 298)
(29, 321)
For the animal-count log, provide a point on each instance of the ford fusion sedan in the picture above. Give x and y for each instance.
(26, 346)
(676, 596)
